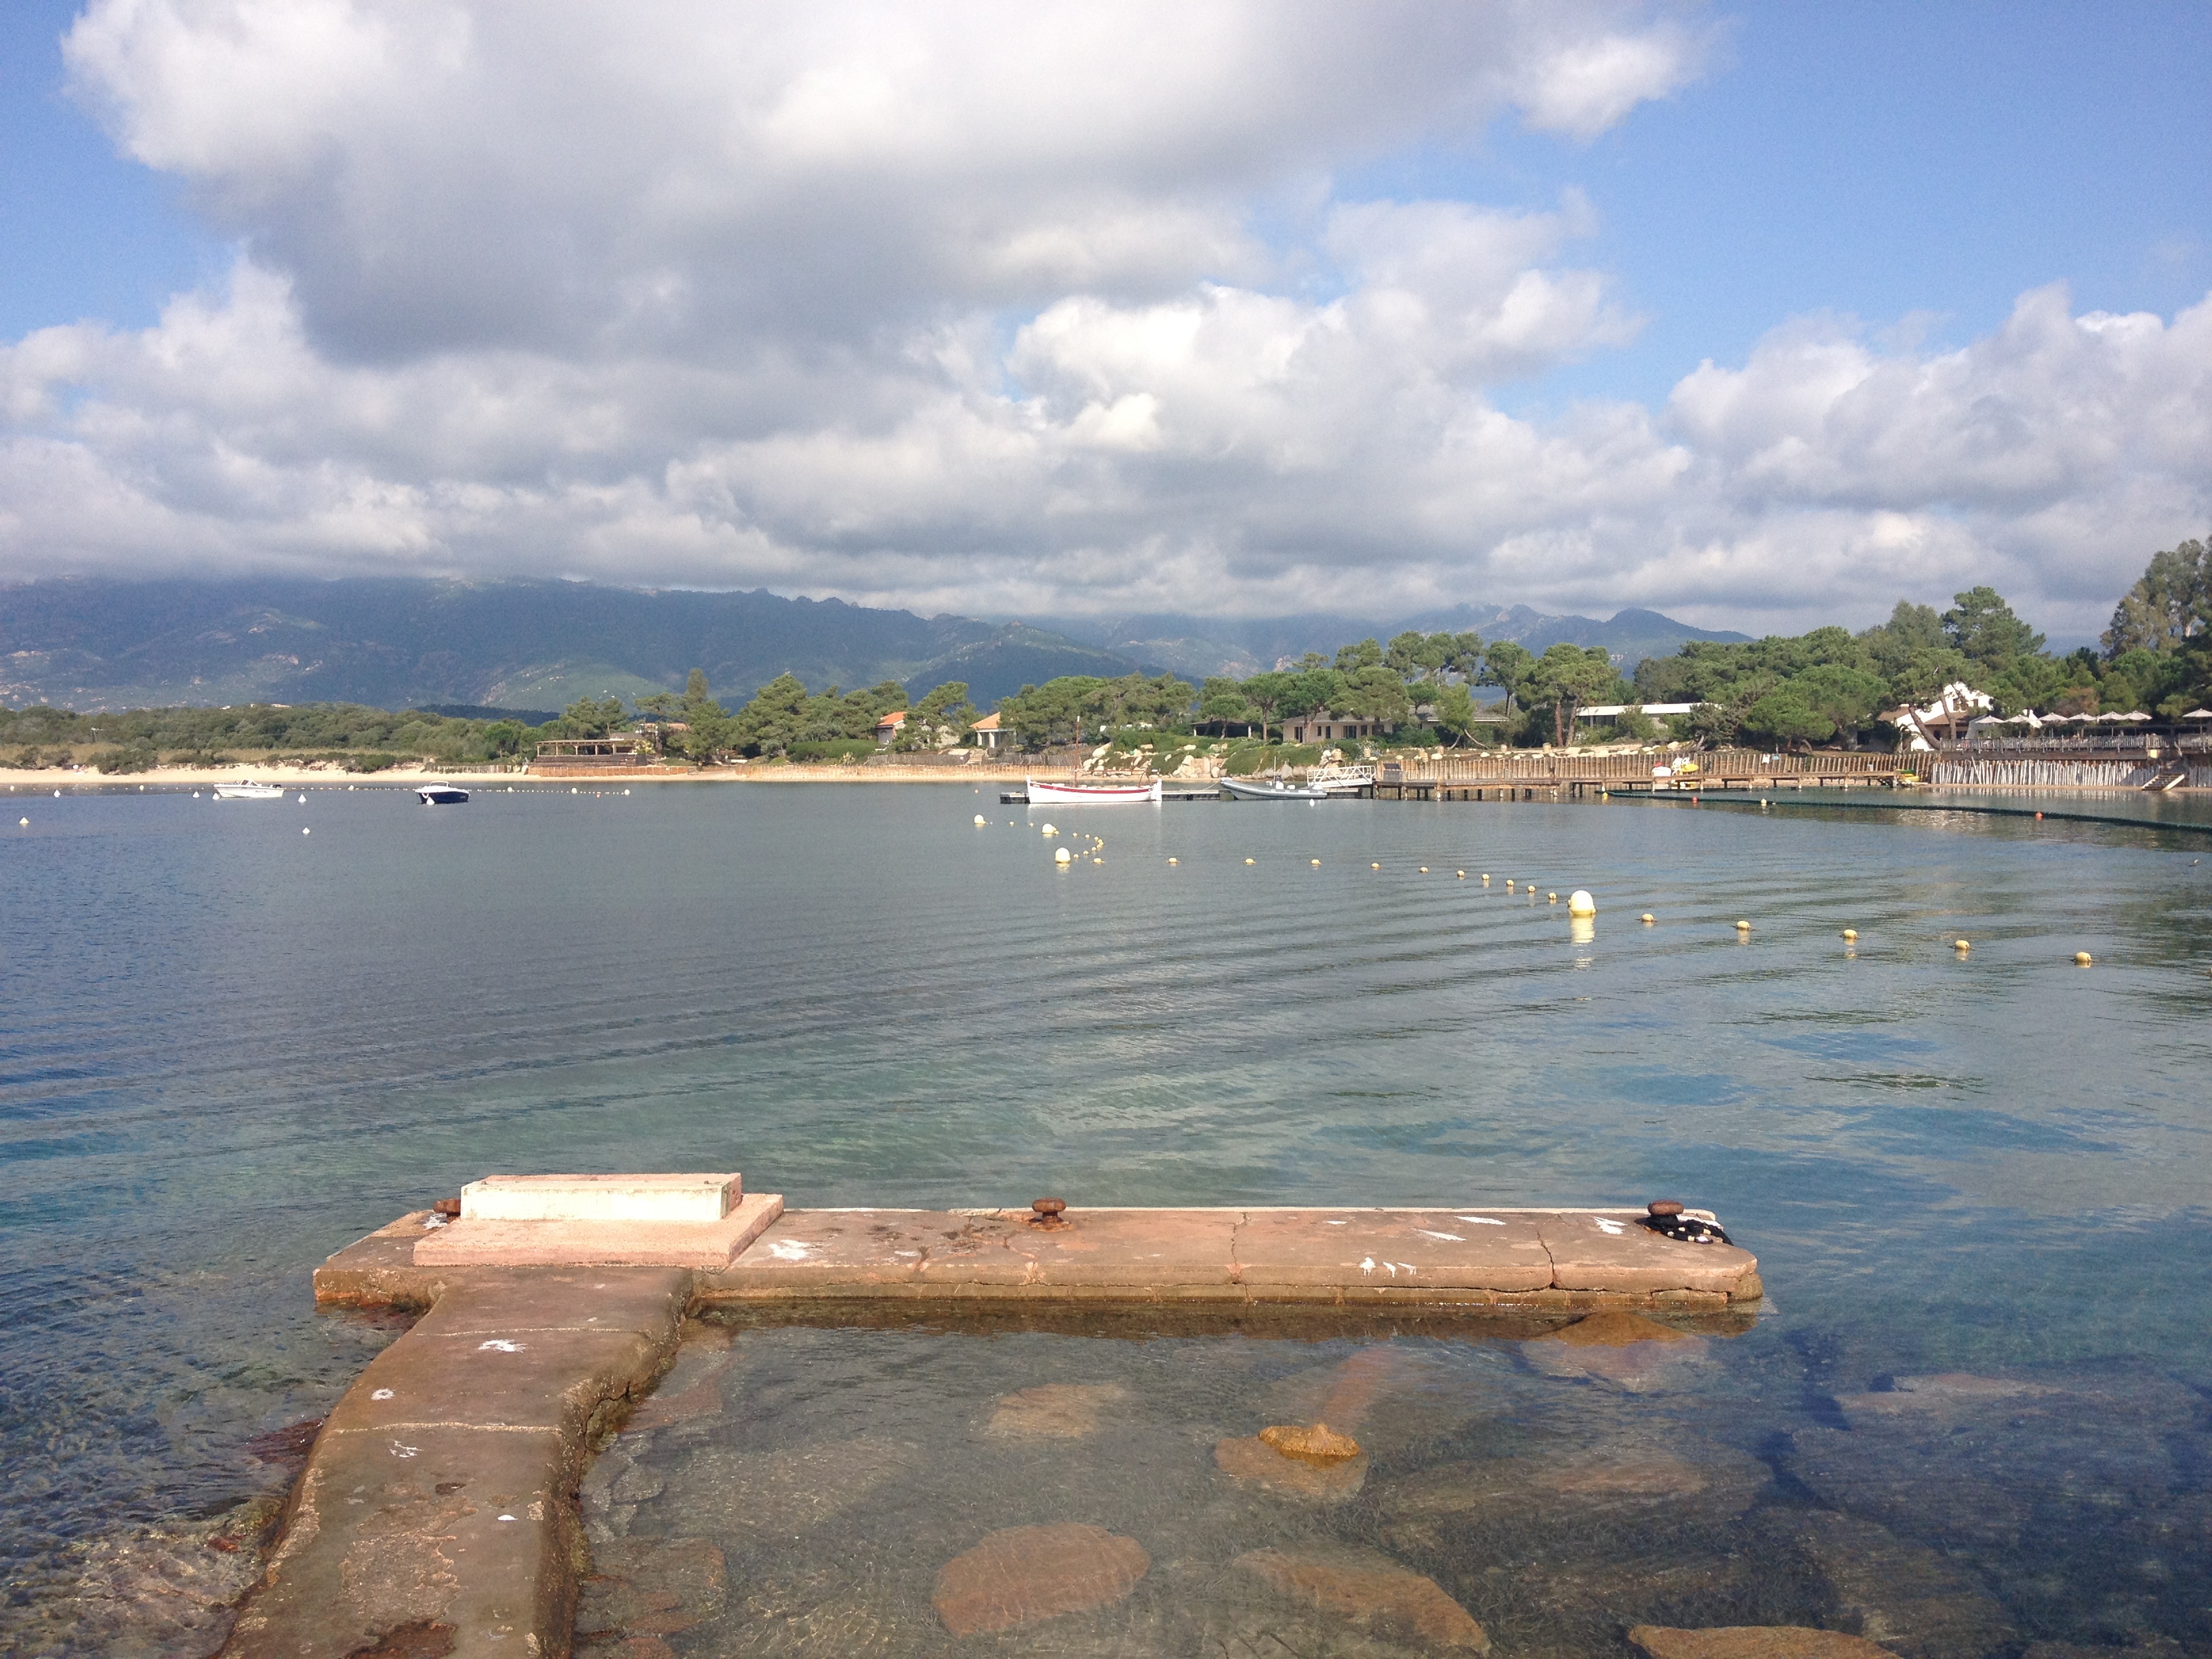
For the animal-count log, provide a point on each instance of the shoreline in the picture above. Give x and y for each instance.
(45, 780)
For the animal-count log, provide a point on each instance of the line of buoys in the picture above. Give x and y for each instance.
(2082, 958)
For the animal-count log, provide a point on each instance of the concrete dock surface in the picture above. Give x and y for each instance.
(437, 1513)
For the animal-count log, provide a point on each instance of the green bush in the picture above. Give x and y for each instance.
(832, 749)
(127, 760)
(376, 762)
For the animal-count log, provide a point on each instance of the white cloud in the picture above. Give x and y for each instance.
(965, 308)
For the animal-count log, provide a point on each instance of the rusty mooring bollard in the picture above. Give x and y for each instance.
(448, 1207)
(1048, 1211)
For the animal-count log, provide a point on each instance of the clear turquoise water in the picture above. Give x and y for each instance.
(228, 1049)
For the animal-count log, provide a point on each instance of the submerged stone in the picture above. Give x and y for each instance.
(1372, 1591)
(1053, 1411)
(1318, 1444)
(778, 1493)
(1624, 1349)
(1911, 1599)
(1753, 1641)
(1026, 1573)
(1721, 1481)
(1254, 1460)
(650, 1587)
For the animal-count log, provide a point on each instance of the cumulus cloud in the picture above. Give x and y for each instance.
(966, 308)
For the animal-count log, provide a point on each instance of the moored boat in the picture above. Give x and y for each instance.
(1095, 794)
(1249, 789)
(247, 789)
(442, 794)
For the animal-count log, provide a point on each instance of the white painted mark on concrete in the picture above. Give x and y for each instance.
(1393, 1266)
(1613, 1228)
(1368, 1266)
(507, 1517)
(1407, 1266)
(380, 1393)
(790, 1250)
(1480, 1220)
(500, 1345)
(1336, 1224)
(398, 1451)
(1453, 1237)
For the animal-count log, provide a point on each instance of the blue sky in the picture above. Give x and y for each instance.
(1859, 199)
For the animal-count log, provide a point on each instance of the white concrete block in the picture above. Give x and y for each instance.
(684, 1197)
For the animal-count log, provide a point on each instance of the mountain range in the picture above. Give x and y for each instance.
(392, 642)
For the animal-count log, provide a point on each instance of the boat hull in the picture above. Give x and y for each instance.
(1238, 789)
(442, 794)
(248, 792)
(1089, 794)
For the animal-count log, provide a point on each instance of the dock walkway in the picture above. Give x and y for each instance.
(437, 1513)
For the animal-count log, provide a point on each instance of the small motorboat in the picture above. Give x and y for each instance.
(1094, 795)
(1249, 789)
(442, 794)
(247, 789)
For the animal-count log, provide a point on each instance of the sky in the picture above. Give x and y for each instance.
(1765, 316)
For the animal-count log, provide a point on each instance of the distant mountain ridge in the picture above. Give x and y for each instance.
(1199, 646)
(396, 642)
(94, 643)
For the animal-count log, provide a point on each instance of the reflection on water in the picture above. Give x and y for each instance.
(885, 1491)
(227, 1049)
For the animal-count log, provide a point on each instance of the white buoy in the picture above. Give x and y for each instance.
(1743, 928)
(1316, 864)
(1425, 869)
(1062, 857)
(979, 820)
(2082, 958)
(1248, 860)
(1375, 866)
(625, 792)
(1850, 933)
(1580, 903)
(305, 830)
(1175, 861)
(25, 823)
(1648, 919)
(303, 801)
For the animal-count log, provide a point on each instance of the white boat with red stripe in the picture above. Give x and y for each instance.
(1093, 794)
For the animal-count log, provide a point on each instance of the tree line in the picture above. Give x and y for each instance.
(1828, 685)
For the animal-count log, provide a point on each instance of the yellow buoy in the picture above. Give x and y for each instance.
(979, 820)
(1175, 861)
(1580, 903)
(1425, 869)
(1462, 874)
(1553, 899)
(1248, 860)
(1509, 885)
(1061, 855)
(1317, 863)
(1962, 945)
(1485, 878)
(1098, 860)
(1050, 830)
(1850, 932)
(2082, 958)
(1375, 866)
(1649, 918)
(1743, 928)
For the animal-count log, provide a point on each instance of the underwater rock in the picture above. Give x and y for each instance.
(1911, 1599)
(1053, 1411)
(172, 1591)
(1624, 1350)
(730, 1494)
(1584, 1481)
(1253, 1459)
(660, 1410)
(1753, 1641)
(1373, 1592)
(1022, 1574)
(1318, 1444)
(651, 1587)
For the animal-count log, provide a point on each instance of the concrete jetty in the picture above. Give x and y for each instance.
(437, 1513)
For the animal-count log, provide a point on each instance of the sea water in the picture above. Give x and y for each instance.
(1975, 1180)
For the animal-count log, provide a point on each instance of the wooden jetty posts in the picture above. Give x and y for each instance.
(1541, 774)
(437, 1512)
